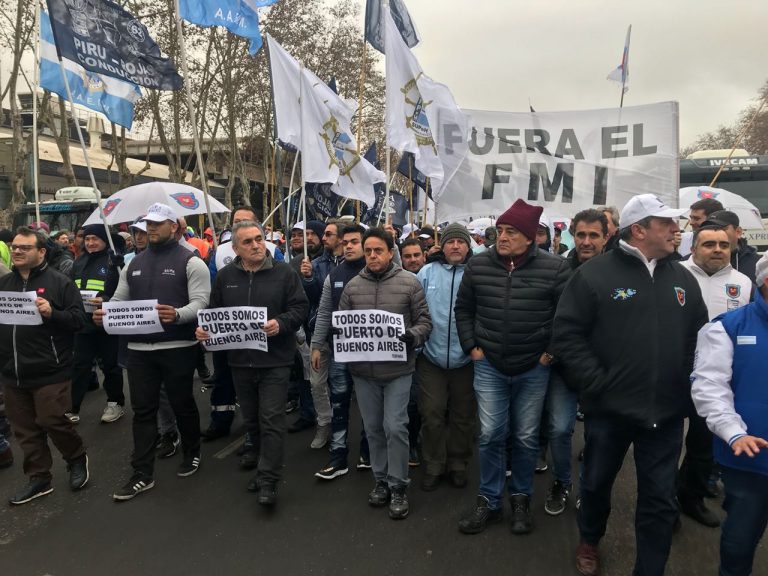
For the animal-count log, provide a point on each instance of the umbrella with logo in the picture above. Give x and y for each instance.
(749, 215)
(129, 203)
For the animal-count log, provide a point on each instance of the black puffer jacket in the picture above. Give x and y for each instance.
(509, 314)
(34, 356)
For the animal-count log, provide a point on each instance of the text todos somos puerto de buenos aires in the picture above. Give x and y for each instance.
(368, 336)
(234, 327)
(19, 308)
(131, 317)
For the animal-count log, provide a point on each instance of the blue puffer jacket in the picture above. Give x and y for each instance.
(441, 285)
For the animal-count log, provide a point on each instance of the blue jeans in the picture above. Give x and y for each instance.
(341, 393)
(499, 398)
(560, 418)
(657, 452)
(746, 502)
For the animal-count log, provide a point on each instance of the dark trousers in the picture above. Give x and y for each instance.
(262, 393)
(746, 502)
(88, 347)
(448, 409)
(38, 414)
(414, 418)
(698, 461)
(174, 369)
(223, 396)
(657, 452)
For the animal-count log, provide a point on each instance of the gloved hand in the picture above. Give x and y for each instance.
(115, 260)
(336, 331)
(407, 337)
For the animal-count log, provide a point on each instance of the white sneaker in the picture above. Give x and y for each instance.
(74, 418)
(112, 412)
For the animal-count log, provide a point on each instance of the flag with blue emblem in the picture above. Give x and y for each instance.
(110, 96)
(422, 116)
(374, 25)
(238, 16)
(317, 121)
(103, 38)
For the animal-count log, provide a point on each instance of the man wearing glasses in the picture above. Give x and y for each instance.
(36, 368)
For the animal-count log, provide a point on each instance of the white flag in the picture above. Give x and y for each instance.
(620, 74)
(319, 124)
(422, 115)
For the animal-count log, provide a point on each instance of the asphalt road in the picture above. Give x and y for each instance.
(208, 524)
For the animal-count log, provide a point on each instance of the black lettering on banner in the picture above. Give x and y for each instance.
(637, 142)
(568, 145)
(451, 136)
(600, 195)
(539, 174)
(492, 177)
(475, 148)
(537, 140)
(508, 145)
(615, 136)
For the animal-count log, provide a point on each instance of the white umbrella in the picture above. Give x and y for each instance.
(129, 203)
(749, 215)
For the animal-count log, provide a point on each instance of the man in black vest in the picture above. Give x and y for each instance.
(181, 283)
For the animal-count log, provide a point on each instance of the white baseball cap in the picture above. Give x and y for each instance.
(644, 206)
(299, 225)
(761, 271)
(160, 212)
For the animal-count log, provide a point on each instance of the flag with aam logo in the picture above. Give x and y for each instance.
(238, 16)
(110, 96)
(422, 115)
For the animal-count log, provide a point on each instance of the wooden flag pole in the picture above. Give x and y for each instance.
(360, 118)
(739, 140)
(192, 119)
(426, 200)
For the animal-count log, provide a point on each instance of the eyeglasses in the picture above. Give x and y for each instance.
(22, 247)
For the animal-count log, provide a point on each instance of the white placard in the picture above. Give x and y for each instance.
(90, 308)
(565, 161)
(131, 317)
(234, 327)
(368, 336)
(19, 308)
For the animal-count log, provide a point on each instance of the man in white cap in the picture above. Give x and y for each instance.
(181, 284)
(625, 334)
(728, 389)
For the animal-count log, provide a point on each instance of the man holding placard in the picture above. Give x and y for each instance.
(254, 279)
(36, 359)
(176, 284)
(383, 386)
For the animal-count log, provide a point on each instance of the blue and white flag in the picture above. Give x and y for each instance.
(374, 26)
(104, 38)
(620, 74)
(113, 98)
(238, 16)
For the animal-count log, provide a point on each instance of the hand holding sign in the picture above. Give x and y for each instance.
(44, 307)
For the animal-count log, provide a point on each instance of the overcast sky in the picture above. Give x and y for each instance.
(708, 55)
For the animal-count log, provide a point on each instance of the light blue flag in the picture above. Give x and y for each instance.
(112, 97)
(238, 16)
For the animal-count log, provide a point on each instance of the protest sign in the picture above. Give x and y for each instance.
(234, 327)
(368, 336)
(87, 295)
(131, 317)
(565, 161)
(19, 308)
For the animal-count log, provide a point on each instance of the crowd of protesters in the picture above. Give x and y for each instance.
(510, 333)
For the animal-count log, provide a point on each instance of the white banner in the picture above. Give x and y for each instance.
(234, 327)
(131, 317)
(565, 161)
(19, 308)
(87, 296)
(368, 336)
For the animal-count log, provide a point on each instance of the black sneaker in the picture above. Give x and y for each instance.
(189, 466)
(476, 520)
(557, 499)
(521, 521)
(135, 486)
(541, 465)
(78, 472)
(168, 445)
(364, 463)
(267, 494)
(379, 496)
(332, 470)
(249, 460)
(398, 503)
(291, 406)
(34, 489)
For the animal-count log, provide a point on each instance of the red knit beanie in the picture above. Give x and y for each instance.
(523, 216)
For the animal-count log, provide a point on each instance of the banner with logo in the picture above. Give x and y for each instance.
(565, 161)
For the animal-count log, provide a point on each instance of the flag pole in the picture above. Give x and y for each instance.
(190, 106)
(35, 90)
(385, 6)
(410, 191)
(426, 201)
(288, 206)
(360, 117)
(303, 184)
(85, 153)
(738, 141)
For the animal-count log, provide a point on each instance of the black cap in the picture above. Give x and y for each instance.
(722, 218)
